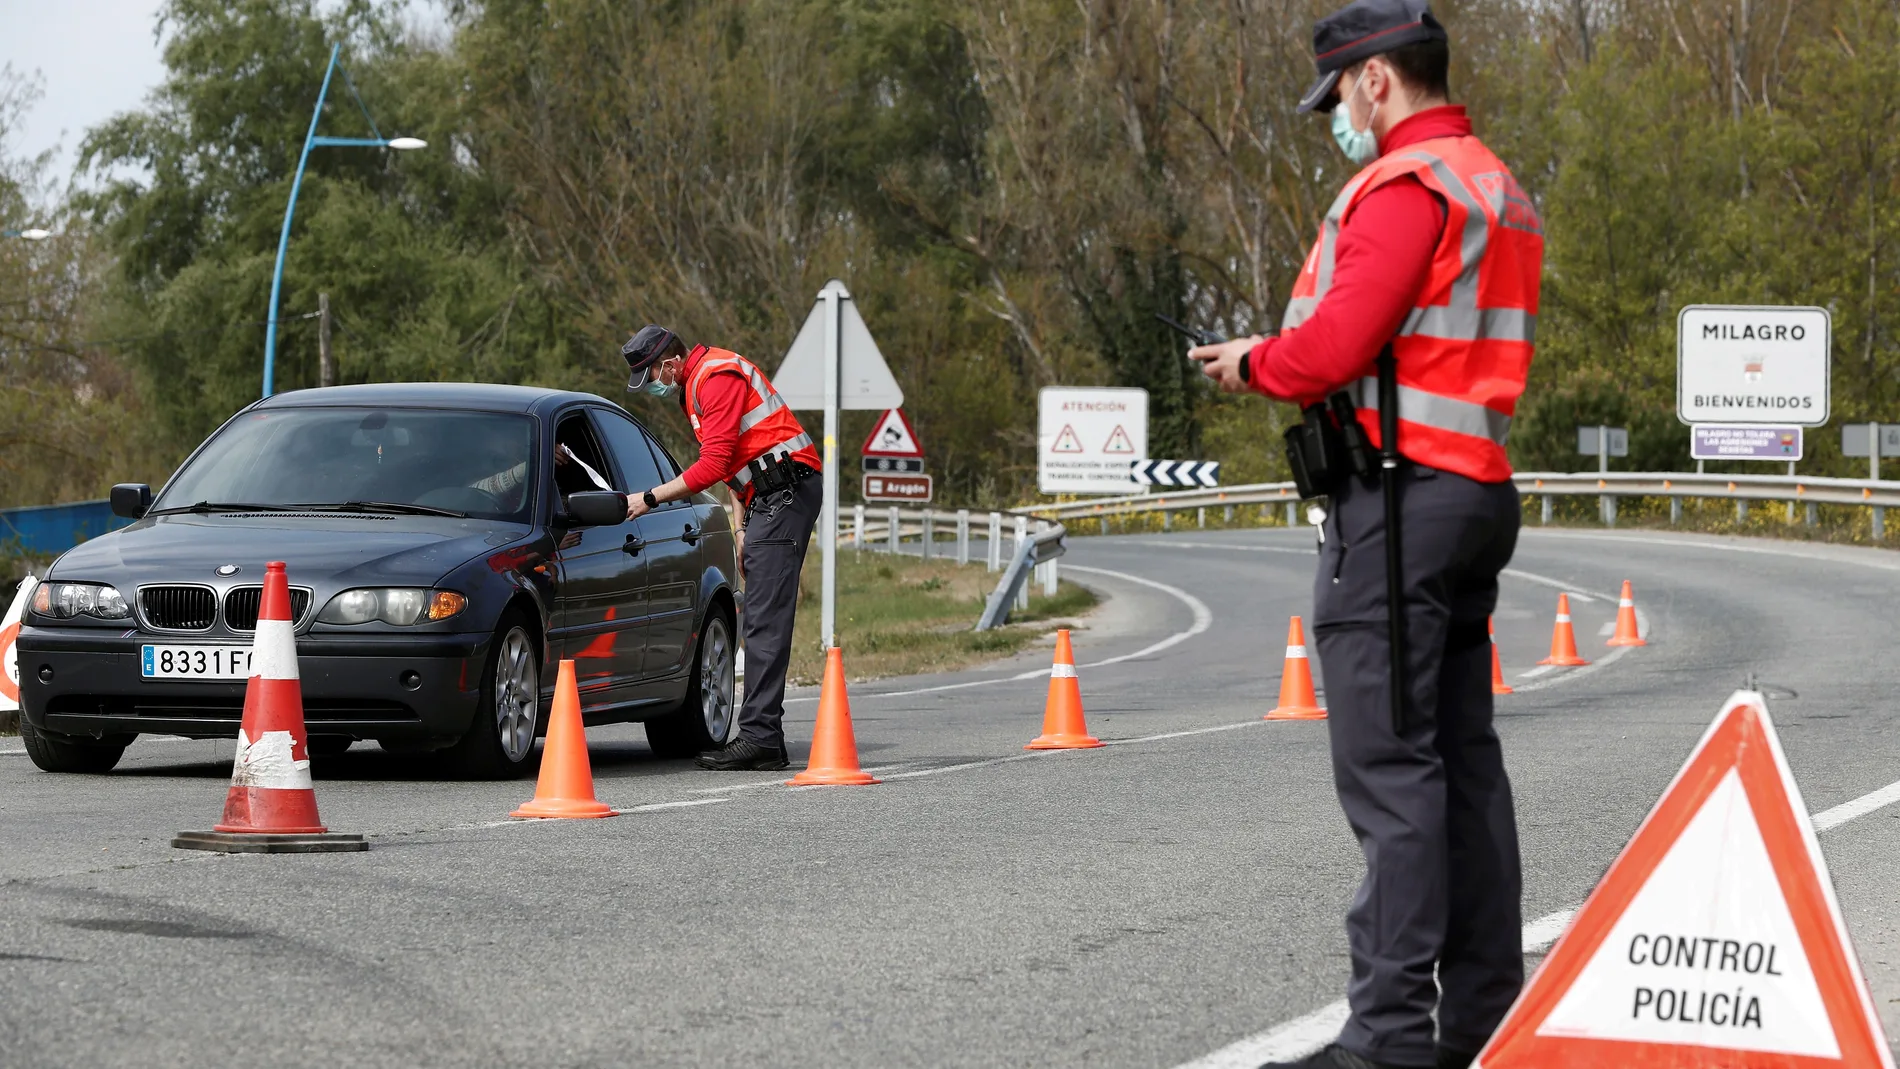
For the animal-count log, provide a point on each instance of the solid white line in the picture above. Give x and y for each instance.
(1184, 734)
(1304, 1035)
(1608, 629)
(1688, 543)
(1203, 619)
(1558, 584)
(1540, 670)
(1309, 551)
(654, 807)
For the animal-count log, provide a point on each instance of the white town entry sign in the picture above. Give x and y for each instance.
(1747, 364)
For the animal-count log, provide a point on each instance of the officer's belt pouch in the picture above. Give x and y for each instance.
(1315, 452)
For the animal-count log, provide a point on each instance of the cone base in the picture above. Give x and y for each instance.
(268, 842)
(1626, 642)
(832, 777)
(1296, 712)
(563, 809)
(1564, 662)
(1503, 688)
(1064, 742)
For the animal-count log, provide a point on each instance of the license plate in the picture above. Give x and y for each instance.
(195, 662)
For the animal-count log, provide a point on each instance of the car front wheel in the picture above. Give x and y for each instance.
(704, 721)
(500, 739)
(67, 753)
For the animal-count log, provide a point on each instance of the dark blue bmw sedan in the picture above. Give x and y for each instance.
(447, 544)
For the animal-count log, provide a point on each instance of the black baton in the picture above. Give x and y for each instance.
(1394, 578)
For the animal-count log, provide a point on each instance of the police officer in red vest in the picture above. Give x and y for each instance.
(1432, 253)
(749, 438)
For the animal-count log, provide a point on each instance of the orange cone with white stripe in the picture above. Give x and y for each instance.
(271, 806)
(1297, 700)
(834, 746)
(1498, 685)
(1627, 633)
(1563, 640)
(565, 788)
(1063, 727)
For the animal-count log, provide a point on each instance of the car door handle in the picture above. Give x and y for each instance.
(690, 536)
(633, 545)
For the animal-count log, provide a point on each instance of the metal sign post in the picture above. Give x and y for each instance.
(828, 518)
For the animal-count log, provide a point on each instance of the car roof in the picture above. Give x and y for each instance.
(481, 396)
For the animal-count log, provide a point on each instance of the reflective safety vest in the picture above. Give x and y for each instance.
(767, 428)
(1464, 351)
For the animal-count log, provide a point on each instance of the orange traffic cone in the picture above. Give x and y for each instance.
(1627, 633)
(834, 747)
(271, 807)
(1563, 641)
(566, 785)
(1498, 685)
(1062, 725)
(1297, 700)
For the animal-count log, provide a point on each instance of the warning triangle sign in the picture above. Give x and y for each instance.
(1714, 940)
(893, 437)
(1118, 442)
(1066, 441)
(864, 379)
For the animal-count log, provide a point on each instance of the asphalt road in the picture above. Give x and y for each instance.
(1144, 904)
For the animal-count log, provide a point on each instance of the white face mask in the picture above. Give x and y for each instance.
(1360, 146)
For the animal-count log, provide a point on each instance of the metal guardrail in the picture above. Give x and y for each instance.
(887, 529)
(1879, 495)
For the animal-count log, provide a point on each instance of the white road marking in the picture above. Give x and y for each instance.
(1540, 670)
(1304, 1035)
(1309, 551)
(1608, 629)
(1556, 584)
(654, 807)
(1203, 619)
(523, 822)
(1689, 543)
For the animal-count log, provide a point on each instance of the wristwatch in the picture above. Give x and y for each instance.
(652, 502)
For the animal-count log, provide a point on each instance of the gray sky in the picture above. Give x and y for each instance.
(97, 58)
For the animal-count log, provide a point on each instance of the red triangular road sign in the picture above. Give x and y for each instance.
(893, 437)
(1066, 441)
(1714, 940)
(1118, 442)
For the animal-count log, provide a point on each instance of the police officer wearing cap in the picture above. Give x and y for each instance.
(1426, 272)
(749, 438)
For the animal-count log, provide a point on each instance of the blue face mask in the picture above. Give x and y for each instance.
(659, 389)
(1360, 146)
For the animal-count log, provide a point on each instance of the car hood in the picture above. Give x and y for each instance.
(323, 550)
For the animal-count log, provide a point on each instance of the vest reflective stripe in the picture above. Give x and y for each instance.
(1444, 413)
(743, 477)
(767, 427)
(1463, 353)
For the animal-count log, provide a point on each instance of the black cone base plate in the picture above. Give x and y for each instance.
(256, 843)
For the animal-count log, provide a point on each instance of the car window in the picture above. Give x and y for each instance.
(579, 464)
(472, 462)
(631, 447)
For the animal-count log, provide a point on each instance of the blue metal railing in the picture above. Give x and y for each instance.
(50, 529)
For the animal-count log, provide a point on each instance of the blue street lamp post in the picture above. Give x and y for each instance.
(310, 141)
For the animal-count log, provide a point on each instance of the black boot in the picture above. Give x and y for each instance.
(1333, 1057)
(744, 755)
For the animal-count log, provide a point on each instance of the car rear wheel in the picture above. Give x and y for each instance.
(70, 753)
(500, 741)
(704, 721)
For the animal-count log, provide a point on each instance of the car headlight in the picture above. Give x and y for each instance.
(399, 605)
(63, 601)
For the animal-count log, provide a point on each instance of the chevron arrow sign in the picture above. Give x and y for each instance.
(1175, 472)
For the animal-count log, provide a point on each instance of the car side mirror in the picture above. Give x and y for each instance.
(131, 500)
(597, 508)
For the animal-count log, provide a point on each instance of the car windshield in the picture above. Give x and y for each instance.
(422, 460)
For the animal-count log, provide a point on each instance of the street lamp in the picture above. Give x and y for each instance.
(30, 234)
(311, 140)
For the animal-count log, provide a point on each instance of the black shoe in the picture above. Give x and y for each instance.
(1333, 1057)
(1455, 1059)
(744, 755)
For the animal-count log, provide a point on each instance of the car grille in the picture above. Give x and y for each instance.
(178, 608)
(241, 604)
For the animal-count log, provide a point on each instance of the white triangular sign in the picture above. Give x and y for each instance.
(1066, 441)
(1118, 442)
(864, 379)
(892, 437)
(1714, 939)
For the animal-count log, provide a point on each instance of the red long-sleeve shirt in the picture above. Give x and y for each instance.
(1380, 264)
(723, 397)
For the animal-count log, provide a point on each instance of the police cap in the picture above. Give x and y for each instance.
(648, 346)
(1361, 30)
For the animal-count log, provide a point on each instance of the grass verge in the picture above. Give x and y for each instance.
(903, 615)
